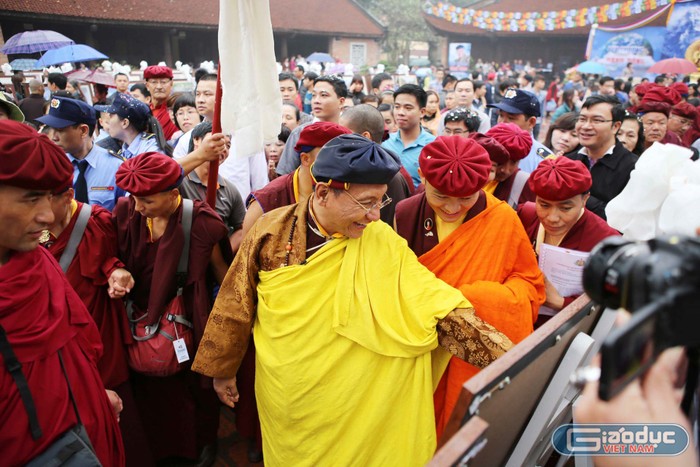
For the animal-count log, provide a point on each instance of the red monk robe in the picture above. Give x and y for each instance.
(586, 233)
(41, 315)
(279, 192)
(180, 413)
(163, 115)
(94, 261)
(490, 259)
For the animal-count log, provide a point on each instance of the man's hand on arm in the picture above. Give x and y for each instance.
(468, 337)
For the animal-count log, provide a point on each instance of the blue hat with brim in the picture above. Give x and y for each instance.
(65, 111)
(517, 101)
(126, 106)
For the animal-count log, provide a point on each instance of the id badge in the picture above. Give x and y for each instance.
(181, 350)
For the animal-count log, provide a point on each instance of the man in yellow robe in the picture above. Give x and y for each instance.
(344, 320)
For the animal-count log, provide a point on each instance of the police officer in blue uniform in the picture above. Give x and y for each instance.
(72, 124)
(523, 108)
(132, 122)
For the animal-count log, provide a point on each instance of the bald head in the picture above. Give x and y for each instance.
(35, 87)
(364, 118)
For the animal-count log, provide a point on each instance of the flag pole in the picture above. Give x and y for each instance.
(212, 182)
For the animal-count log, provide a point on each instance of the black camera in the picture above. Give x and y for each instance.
(659, 282)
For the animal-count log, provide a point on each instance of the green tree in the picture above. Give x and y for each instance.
(404, 23)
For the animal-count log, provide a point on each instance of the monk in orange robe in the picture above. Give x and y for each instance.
(475, 243)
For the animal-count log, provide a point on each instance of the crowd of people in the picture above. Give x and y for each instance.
(349, 279)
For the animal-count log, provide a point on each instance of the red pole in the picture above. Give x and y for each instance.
(216, 128)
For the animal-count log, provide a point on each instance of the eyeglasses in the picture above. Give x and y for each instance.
(683, 121)
(450, 132)
(595, 121)
(378, 205)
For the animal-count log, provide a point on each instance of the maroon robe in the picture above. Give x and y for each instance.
(671, 138)
(586, 233)
(41, 315)
(279, 192)
(180, 413)
(163, 115)
(94, 261)
(503, 189)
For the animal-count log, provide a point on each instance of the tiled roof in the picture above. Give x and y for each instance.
(323, 16)
(316, 16)
(444, 26)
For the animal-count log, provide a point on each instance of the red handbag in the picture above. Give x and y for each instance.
(165, 347)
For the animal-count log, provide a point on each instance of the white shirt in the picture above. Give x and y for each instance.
(182, 148)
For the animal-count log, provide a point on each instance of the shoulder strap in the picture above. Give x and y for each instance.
(14, 367)
(187, 208)
(75, 237)
(517, 189)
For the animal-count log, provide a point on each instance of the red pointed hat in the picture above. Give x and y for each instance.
(517, 142)
(497, 152)
(454, 165)
(30, 160)
(149, 173)
(318, 134)
(559, 179)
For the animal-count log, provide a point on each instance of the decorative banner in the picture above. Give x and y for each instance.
(642, 46)
(531, 21)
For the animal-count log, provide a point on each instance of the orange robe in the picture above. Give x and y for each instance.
(490, 259)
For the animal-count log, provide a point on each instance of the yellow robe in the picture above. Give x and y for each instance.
(330, 355)
(343, 343)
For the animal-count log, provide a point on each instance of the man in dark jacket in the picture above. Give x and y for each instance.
(607, 159)
(34, 106)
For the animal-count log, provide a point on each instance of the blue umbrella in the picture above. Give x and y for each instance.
(589, 66)
(320, 57)
(69, 54)
(29, 42)
(24, 64)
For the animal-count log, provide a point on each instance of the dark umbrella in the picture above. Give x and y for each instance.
(70, 54)
(29, 42)
(320, 57)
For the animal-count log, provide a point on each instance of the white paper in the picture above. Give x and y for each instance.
(564, 269)
(181, 350)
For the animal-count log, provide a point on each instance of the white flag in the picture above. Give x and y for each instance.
(251, 106)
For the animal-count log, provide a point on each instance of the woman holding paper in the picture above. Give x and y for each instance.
(559, 223)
